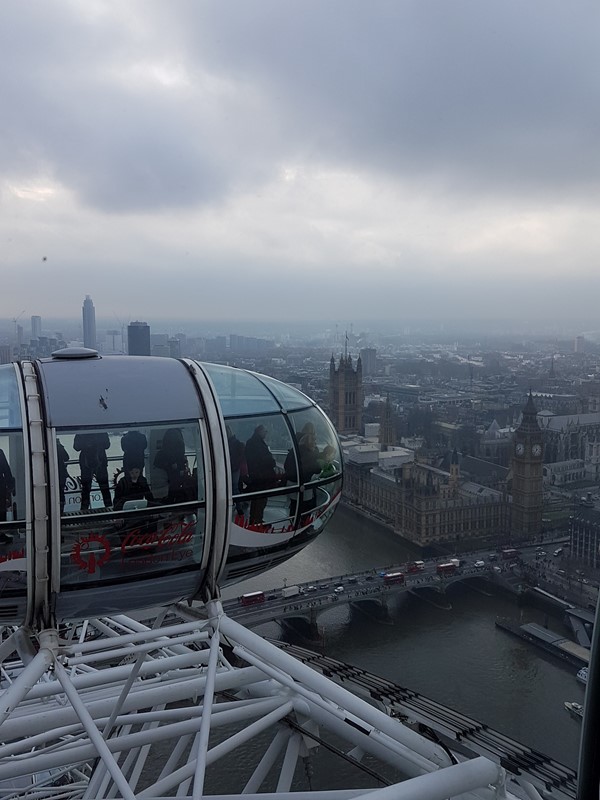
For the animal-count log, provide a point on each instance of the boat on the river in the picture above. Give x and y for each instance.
(582, 675)
(574, 709)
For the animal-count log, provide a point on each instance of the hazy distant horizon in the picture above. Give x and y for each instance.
(431, 330)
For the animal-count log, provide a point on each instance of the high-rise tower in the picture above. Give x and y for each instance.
(89, 323)
(368, 357)
(527, 470)
(138, 339)
(36, 327)
(387, 428)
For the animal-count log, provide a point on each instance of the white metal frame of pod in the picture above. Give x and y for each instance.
(42, 517)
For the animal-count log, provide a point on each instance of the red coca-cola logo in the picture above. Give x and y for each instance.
(91, 552)
(177, 533)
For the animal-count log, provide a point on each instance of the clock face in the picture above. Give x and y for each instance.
(520, 449)
(537, 449)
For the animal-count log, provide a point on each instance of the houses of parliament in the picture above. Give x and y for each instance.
(433, 500)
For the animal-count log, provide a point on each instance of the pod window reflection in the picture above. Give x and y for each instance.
(158, 477)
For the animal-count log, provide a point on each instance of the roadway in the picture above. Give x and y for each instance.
(316, 596)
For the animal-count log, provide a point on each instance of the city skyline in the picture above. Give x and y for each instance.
(426, 161)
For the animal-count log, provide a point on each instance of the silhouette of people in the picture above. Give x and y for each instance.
(62, 458)
(132, 486)
(133, 445)
(7, 486)
(327, 457)
(93, 462)
(310, 457)
(262, 472)
(311, 462)
(171, 459)
(237, 459)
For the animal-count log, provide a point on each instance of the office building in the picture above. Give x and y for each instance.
(368, 357)
(36, 327)
(89, 323)
(138, 339)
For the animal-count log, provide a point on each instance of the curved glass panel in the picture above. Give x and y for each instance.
(13, 551)
(289, 397)
(132, 504)
(240, 392)
(258, 449)
(318, 448)
(10, 406)
(12, 477)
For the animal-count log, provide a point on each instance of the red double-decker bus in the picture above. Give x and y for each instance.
(446, 569)
(509, 552)
(252, 598)
(393, 577)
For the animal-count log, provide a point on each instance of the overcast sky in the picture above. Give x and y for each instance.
(283, 159)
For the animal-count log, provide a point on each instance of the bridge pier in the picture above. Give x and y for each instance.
(374, 607)
(304, 626)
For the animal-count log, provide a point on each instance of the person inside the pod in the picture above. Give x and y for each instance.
(311, 464)
(327, 457)
(93, 462)
(133, 445)
(132, 486)
(7, 490)
(262, 472)
(172, 461)
(62, 458)
(237, 459)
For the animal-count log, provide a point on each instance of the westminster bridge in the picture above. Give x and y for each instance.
(367, 591)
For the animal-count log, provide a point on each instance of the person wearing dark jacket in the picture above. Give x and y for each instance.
(133, 445)
(261, 472)
(7, 486)
(132, 486)
(237, 459)
(93, 462)
(62, 458)
(171, 459)
(311, 464)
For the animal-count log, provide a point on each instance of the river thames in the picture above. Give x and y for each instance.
(455, 655)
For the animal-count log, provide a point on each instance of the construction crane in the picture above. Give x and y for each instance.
(16, 320)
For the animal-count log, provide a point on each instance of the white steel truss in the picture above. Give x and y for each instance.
(119, 708)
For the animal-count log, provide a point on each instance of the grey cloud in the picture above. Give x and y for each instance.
(475, 92)
(484, 97)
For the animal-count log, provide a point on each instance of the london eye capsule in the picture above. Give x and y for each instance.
(132, 482)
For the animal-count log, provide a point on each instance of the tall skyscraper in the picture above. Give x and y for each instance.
(36, 327)
(89, 323)
(368, 356)
(138, 339)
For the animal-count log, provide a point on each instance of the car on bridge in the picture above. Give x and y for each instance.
(339, 589)
(479, 564)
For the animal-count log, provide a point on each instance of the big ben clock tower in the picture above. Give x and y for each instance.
(527, 463)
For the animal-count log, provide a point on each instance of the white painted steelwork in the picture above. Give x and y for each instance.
(131, 709)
